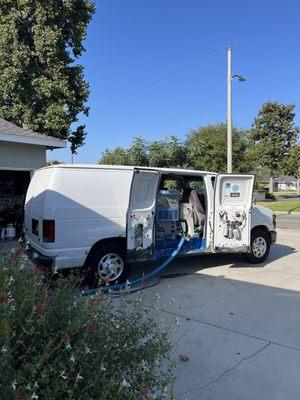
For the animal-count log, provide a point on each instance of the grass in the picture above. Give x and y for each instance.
(286, 193)
(282, 205)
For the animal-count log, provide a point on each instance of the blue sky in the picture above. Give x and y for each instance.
(159, 67)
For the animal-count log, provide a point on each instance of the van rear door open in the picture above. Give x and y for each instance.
(140, 217)
(232, 212)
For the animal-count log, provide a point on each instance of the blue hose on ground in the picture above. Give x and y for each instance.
(134, 282)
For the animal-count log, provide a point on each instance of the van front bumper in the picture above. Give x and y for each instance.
(273, 235)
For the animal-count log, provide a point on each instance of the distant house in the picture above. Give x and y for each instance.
(21, 152)
(285, 183)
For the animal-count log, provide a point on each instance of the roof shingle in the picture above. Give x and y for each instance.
(10, 129)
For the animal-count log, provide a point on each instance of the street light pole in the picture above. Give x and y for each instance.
(229, 112)
(230, 77)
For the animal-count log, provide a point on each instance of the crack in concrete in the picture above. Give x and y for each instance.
(226, 371)
(286, 346)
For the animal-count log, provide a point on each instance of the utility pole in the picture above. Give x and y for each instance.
(298, 181)
(229, 111)
(230, 77)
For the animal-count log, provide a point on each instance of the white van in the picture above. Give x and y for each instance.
(104, 217)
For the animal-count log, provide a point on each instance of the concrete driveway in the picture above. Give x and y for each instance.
(238, 323)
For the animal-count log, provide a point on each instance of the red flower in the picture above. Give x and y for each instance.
(5, 299)
(47, 303)
(37, 269)
(96, 301)
(26, 357)
(72, 378)
(66, 337)
(146, 386)
(52, 346)
(18, 254)
(38, 309)
(91, 327)
(21, 397)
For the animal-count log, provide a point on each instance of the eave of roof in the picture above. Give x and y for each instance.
(12, 133)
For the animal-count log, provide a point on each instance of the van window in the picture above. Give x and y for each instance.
(197, 184)
(144, 190)
(142, 193)
(172, 183)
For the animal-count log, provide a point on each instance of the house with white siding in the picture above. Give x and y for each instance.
(21, 152)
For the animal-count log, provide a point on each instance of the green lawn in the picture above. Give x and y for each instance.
(284, 193)
(282, 205)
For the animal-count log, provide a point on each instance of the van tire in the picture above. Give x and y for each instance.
(261, 238)
(103, 254)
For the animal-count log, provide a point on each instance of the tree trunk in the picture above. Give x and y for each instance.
(271, 183)
(298, 182)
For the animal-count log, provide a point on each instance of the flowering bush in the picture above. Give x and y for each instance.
(54, 345)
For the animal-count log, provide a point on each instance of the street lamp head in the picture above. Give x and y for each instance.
(240, 78)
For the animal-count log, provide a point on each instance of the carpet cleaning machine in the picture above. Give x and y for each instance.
(172, 237)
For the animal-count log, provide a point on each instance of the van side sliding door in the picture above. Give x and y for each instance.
(140, 217)
(232, 212)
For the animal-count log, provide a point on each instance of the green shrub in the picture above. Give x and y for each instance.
(58, 346)
(259, 186)
(270, 196)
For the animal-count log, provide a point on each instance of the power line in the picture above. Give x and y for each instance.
(158, 81)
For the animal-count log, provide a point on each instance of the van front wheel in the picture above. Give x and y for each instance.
(106, 265)
(260, 247)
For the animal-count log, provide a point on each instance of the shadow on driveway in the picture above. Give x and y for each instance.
(193, 264)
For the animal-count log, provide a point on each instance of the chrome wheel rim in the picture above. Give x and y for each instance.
(259, 247)
(110, 266)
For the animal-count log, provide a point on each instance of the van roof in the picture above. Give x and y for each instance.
(131, 168)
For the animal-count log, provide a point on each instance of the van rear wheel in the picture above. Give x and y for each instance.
(106, 265)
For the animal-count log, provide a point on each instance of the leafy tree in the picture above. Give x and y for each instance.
(166, 153)
(54, 162)
(41, 86)
(291, 165)
(158, 154)
(207, 149)
(169, 152)
(274, 134)
(292, 161)
(138, 152)
(118, 156)
(177, 153)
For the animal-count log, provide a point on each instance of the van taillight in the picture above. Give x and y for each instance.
(48, 230)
